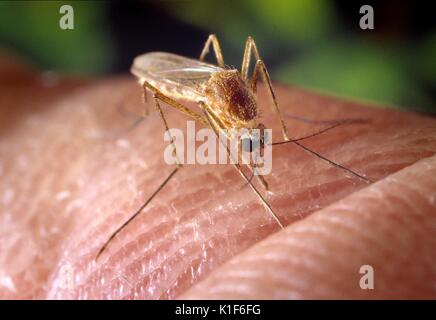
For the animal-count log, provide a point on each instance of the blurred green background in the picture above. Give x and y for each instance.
(311, 43)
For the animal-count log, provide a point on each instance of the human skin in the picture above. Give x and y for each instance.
(71, 174)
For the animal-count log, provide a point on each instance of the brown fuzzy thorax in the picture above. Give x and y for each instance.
(230, 97)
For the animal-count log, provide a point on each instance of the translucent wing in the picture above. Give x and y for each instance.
(172, 74)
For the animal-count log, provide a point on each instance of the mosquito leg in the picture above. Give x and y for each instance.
(260, 178)
(213, 40)
(327, 122)
(173, 103)
(144, 101)
(120, 228)
(164, 120)
(146, 111)
(179, 165)
(215, 128)
(250, 48)
(260, 67)
(253, 174)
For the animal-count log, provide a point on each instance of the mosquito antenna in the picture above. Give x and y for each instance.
(334, 124)
(310, 135)
(313, 121)
(337, 124)
(325, 159)
(113, 235)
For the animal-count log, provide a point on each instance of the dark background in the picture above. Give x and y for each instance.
(311, 43)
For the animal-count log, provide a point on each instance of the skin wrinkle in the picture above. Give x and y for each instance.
(274, 277)
(132, 242)
(147, 180)
(314, 253)
(383, 247)
(288, 263)
(314, 230)
(321, 233)
(322, 280)
(187, 266)
(303, 198)
(350, 230)
(231, 279)
(156, 268)
(176, 280)
(97, 172)
(386, 230)
(273, 244)
(417, 192)
(29, 218)
(379, 249)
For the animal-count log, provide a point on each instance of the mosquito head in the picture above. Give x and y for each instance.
(254, 139)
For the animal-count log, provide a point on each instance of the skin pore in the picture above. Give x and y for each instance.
(71, 174)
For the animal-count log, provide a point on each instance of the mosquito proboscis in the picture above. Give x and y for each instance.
(227, 100)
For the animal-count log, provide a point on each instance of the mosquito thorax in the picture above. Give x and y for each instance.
(227, 91)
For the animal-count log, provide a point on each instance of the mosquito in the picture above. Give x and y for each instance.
(227, 100)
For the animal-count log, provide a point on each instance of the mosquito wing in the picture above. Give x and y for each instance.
(174, 75)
